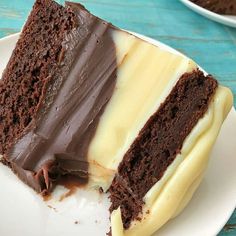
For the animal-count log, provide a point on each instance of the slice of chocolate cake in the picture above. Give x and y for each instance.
(225, 7)
(80, 98)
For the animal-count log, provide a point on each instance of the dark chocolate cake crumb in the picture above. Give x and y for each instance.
(109, 233)
(159, 142)
(101, 190)
(29, 70)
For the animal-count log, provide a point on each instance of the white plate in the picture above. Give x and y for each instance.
(223, 19)
(23, 212)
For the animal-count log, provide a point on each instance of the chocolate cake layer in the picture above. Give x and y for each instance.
(56, 86)
(159, 142)
(227, 7)
(27, 74)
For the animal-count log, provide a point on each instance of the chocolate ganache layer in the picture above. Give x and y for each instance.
(159, 142)
(72, 73)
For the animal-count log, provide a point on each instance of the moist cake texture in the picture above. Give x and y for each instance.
(168, 197)
(159, 142)
(227, 7)
(80, 98)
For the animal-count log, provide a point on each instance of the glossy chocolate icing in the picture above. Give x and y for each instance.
(56, 143)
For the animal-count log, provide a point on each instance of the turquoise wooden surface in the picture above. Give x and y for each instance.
(212, 45)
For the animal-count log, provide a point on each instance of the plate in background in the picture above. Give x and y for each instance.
(223, 19)
(23, 212)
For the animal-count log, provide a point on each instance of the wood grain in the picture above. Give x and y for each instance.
(210, 44)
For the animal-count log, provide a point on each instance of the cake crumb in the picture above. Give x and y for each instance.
(68, 194)
(46, 197)
(51, 207)
(109, 233)
(97, 221)
(100, 190)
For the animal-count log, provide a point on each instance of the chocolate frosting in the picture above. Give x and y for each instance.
(56, 142)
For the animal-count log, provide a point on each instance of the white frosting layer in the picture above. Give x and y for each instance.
(146, 75)
(169, 196)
